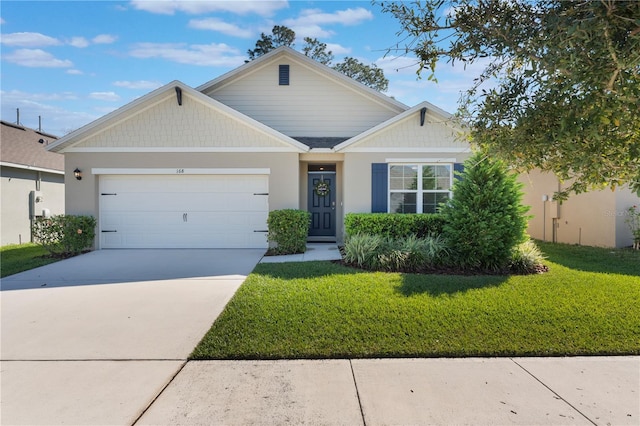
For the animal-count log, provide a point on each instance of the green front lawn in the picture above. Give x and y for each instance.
(588, 304)
(16, 258)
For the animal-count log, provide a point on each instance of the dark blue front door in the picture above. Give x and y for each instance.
(322, 204)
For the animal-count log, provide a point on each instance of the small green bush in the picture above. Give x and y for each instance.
(485, 219)
(65, 235)
(288, 228)
(526, 258)
(393, 225)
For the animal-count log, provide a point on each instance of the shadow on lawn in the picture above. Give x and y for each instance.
(293, 270)
(438, 285)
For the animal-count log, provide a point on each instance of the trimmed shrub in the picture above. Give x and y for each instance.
(485, 219)
(393, 225)
(288, 228)
(65, 235)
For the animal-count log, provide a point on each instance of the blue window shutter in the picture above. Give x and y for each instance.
(283, 75)
(458, 167)
(379, 191)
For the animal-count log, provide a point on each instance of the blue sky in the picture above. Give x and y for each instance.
(73, 62)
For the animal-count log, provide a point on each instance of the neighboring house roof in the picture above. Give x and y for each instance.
(148, 101)
(25, 148)
(329, 72)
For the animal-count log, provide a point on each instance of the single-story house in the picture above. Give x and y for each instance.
(31, 183)
(185, 167)
(202, 167)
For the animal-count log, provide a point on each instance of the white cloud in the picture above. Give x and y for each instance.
(215, 24)
(2, 21)
(138, 85)
(80, 42)
(196, 7)
(38, 97)
(337, 49)
(214, 54)
(104, 39)
(313, 31)
(29, 40)
(55, 119)
(343, 17)
(105, 96)
(309, 22)
(37, 58)
(74, 72)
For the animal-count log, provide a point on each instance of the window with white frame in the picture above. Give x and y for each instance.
(419, 188)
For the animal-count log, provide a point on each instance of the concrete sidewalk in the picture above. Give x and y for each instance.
(315, 251)
(495, 391)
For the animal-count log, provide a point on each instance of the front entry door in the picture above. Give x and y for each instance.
(322, 204)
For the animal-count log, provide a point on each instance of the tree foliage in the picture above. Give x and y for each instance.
(369, 75)
(485, 219)
(561, 83)
(280, 36)
(317, 50)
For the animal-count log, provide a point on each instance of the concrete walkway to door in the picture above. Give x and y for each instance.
(93, 339)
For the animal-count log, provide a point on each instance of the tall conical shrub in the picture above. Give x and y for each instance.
(485, 220)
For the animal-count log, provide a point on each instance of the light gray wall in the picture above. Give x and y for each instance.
(15, 186)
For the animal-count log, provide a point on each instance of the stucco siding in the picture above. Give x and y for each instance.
(82, 196)
(624, 199)
(15, 187)
(586, 219)
(168, 125)
(408, 134)
(311, 105)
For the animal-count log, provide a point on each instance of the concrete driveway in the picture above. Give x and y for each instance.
(93, 339)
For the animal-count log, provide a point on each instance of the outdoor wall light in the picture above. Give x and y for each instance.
(77, 173)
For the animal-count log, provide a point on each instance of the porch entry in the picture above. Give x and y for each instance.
(321, 192)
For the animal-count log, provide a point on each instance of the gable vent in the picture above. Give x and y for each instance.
(283, 75)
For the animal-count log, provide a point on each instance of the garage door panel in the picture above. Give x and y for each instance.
(208, 212)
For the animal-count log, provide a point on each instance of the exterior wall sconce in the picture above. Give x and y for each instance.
(77, 173)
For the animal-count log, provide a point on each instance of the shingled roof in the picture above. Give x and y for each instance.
(25, 148)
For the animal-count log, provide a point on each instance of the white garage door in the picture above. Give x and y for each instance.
(183, 211)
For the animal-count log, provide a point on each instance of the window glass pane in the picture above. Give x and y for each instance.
(443, 171)
(403, 177)
(431, 201)
(443, 183)
(436, 177)
(403, 202)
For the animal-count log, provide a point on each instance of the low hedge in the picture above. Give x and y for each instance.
(65, 235)
(393, 225)
(288, 229)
